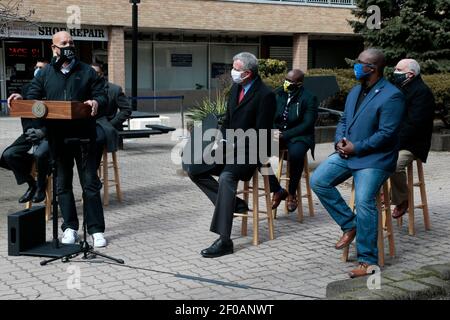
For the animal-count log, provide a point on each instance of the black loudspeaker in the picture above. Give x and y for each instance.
(26, 230)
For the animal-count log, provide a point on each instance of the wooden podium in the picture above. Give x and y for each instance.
(62, 110)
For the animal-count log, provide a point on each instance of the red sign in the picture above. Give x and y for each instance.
(23, 52)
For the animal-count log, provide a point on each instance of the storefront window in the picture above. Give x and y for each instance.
(181, 66)
(145, 62)
(20, 58)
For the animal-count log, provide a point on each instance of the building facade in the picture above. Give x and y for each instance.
(185, 46)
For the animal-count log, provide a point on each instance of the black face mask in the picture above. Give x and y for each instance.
(400, 79)
(67, 54)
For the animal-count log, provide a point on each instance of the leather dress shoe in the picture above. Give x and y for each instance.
(39, 196)
(361, 271)
(346, 239)
(400, 210)
(218, 248)
(292, 203)
(28, 195)
(278, 197)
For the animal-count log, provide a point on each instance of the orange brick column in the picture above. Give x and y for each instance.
(116, 56)
(300, 52)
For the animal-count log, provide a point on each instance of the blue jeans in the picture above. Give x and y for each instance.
(368, 182)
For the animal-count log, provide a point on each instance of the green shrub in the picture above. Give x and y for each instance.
(346, 81)
(206, 107)
(269, 67)
(274, 81)
(440, 85)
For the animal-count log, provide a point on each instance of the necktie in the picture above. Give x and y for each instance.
(241, 94)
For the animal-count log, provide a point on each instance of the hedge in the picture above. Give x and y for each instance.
(438, 83)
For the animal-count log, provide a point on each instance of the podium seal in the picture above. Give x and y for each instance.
(39, 109)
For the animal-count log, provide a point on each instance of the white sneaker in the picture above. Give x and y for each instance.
(99, 240)
(70, 236)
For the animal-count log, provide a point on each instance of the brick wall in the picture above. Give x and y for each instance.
(210, 15)
(116, 56)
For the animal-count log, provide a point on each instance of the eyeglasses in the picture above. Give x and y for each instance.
(371, 65)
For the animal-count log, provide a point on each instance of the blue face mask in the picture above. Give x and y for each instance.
(359, 71)
(37, 71)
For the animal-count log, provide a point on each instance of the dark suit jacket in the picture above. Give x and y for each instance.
(27, 123)
(256, 111)
(117, 112)
(303, 111)
(373, 130)
(417, 128)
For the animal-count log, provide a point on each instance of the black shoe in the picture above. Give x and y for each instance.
(39, 196)
(241, 206)
(28, 195)
(218, 248)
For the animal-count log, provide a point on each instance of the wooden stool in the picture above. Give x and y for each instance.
(423, 195)
(104, 176)
(308, 194)
(48, 193)
(385, 229)
(254, 189)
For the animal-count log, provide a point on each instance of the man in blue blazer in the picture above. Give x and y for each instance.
(366, 145)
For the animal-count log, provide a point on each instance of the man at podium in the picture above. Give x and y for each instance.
(68, 79)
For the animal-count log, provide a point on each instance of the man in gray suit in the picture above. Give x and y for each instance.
(117, 112)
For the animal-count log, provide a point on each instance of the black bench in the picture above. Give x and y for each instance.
(132, 134)
(159, 127)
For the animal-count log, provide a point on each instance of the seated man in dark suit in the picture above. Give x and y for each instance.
(117, 112)
(294, 120)
(415, 132)
(251, 108)
(32, 144)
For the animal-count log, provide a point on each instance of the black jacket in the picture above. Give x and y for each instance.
(256, 111)
(303, 112)
(417, 128)
(80, 84)
(117, 112)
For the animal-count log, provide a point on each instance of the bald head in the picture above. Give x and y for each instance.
(408, 66)
(61, 37)
(295, 76)
(374, 56)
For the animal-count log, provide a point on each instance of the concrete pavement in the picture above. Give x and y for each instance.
(163, 224)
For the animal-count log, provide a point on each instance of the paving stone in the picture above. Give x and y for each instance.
(163, 224)
(416, 290)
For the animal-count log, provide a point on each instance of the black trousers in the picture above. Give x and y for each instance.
(19, 160)
(222, 194)
(100, 143)
(296, 152)
(90, 183)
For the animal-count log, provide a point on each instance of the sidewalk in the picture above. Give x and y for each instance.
(163, 224)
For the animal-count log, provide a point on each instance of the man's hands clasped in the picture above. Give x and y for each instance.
(345, 148)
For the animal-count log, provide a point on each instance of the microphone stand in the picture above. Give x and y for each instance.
(84, 247)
